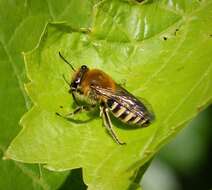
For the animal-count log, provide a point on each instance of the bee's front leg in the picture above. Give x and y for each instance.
(76, 111)
(107, 123)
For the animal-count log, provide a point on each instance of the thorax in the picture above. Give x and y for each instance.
(95, 78)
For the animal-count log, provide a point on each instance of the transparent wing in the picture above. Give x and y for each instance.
(126, 99)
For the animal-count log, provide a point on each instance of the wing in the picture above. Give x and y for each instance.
(126, 99)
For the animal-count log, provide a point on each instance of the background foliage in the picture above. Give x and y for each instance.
(158, 55)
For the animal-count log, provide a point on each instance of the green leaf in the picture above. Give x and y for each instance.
(162, 50)
(13, 106)
(21, 24)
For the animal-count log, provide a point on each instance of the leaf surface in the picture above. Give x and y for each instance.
(21, 24)
(163, 57)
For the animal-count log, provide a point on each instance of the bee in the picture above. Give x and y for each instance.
(96, 88)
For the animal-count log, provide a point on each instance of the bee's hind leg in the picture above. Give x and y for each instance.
(76, 111)
(107, 123)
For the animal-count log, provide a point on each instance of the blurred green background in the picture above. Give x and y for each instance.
(186, 162)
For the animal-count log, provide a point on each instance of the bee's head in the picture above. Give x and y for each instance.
(78, 77)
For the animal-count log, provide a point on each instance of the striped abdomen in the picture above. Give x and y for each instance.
(125, 115)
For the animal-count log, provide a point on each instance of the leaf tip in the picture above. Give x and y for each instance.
(5, 157)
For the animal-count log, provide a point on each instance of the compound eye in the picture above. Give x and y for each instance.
(84, 67)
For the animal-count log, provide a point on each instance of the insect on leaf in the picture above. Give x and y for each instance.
(164, 58)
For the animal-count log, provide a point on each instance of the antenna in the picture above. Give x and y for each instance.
(65, 79)
(66, 61)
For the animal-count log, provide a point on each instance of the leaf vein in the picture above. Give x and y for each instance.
(188, 94)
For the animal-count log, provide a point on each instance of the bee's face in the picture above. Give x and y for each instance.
(78, 78)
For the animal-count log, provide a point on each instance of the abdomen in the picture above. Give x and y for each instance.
(126, 115)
